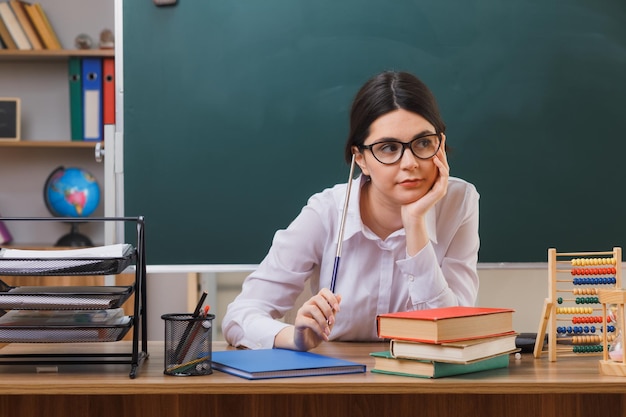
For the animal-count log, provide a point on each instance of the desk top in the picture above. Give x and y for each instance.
(527, 375)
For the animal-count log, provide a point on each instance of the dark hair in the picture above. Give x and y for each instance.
(386, 92)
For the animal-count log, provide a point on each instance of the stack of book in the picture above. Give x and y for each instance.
(445, 341)
(25, 26)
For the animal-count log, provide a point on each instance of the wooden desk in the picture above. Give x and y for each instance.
(529, 387)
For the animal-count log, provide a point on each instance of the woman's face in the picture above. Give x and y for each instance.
(410, 178)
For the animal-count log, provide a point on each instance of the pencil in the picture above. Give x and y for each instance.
(190, 325)
(197, 326)
(184, 366)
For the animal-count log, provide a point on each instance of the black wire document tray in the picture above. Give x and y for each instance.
(62, 297)
(101, 260)
(67, 316)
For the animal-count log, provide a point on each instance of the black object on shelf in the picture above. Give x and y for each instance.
(74, 238)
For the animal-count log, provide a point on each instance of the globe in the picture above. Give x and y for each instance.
(71, 192)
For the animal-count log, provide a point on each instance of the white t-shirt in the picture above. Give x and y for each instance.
(375, 276)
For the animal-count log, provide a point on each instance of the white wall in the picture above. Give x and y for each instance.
(524, 290)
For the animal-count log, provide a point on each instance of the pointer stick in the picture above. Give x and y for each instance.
(341, 227)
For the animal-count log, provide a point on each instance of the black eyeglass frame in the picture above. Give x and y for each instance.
(404, 145)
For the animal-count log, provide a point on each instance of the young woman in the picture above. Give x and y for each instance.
(410, 239)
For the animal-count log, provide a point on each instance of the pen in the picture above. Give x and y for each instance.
(341, 227)
(190, 325)
(196, 312)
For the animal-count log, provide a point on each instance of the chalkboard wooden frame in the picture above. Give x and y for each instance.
(236, 112)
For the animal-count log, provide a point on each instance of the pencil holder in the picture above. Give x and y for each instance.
(188, 341)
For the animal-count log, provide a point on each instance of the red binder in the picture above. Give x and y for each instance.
(108, 91)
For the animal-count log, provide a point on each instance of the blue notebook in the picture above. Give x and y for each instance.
(280, 363)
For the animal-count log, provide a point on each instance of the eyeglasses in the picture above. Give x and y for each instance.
(390, 151)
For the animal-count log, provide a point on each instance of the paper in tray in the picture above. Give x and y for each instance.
(63, 297)
(66, 334)
(100, 260)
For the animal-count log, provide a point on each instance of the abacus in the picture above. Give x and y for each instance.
(572, 312)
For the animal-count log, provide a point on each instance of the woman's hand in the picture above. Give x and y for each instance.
(413, 214)
(313, 324)
(438, 190)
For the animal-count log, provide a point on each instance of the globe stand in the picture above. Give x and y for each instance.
(74, 238)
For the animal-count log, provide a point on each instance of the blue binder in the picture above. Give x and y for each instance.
(92, 99)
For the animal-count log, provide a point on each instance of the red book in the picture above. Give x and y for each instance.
(439, 325)
(108, 91)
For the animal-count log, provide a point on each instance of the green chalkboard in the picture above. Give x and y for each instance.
(235, 112)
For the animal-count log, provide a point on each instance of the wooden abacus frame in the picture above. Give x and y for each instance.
(556, 263)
